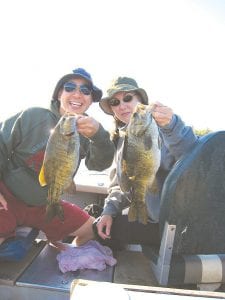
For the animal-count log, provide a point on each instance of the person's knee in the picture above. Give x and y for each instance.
(7, 225)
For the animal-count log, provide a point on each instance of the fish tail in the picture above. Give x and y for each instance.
(60, 212)
(41, 177)
(132, 214)
(143, 214)
(138, 213)
(53, 210)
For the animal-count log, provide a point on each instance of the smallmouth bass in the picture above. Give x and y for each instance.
(60, 163)
(140, 161)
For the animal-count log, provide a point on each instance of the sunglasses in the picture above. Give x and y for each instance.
(116, 102)
(70, 87)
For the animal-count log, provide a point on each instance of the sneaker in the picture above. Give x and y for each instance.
(12, 250)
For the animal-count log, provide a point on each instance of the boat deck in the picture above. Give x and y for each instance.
(38, 276)
(41, 277)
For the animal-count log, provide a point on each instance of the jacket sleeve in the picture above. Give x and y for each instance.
(9, 138)
(177, 140)
(100, 151)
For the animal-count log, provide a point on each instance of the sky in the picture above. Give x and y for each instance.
(175, 49)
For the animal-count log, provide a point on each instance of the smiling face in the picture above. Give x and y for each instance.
(74, 101)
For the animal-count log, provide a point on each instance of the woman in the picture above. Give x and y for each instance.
(23, 139)
(123, 96)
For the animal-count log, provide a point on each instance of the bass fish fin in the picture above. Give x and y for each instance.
(154, 188)
(132, 213)
(42, 180)
(143, 214)
(71, 189)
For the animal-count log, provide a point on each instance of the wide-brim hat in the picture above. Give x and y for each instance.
(78, 73)
(122, 84)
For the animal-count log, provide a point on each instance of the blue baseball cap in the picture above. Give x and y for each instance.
(80, 73)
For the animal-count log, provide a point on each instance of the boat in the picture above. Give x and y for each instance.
(171, 272)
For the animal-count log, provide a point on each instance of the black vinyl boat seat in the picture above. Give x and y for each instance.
(192, 219)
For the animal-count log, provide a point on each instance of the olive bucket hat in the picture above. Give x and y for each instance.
(121, 84)
(78, 73)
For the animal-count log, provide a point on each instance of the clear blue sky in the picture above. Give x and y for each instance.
(174, 48)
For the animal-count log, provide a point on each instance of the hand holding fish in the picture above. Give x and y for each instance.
(161, 113)
(87, 126)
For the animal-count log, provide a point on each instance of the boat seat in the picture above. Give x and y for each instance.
(192, 219)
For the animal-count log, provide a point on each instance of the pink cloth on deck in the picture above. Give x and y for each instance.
(91, 255)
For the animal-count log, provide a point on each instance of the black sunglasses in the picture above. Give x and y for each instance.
(70, 87)
(116, 102)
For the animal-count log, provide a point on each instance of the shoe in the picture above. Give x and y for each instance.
(15, 249)
(12, 250)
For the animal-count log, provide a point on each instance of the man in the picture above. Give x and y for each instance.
(23, 139)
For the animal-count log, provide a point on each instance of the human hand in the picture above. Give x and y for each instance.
(161, 113)
(104, 226)
(3, 203)
(87, 126)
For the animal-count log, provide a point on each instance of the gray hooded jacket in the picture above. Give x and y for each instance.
(177, 139)
(23, 139)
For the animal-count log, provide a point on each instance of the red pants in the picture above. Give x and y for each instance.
(19, 213)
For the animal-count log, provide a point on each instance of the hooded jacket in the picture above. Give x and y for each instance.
(23, 139)
(177, 139)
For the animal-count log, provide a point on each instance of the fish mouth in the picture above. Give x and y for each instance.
(69, 134)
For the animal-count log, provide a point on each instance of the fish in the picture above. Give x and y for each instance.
(61, 160)
(140, 161)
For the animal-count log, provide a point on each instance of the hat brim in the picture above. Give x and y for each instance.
(96, 92)
(106, 107)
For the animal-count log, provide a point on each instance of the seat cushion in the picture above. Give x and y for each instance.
(193, 198)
